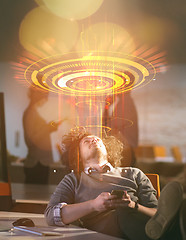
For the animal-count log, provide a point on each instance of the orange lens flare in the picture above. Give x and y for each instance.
(91, 80)
(96, 75)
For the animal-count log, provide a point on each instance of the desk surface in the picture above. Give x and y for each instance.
(68, 232)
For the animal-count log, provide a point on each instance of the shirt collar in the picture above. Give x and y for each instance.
(106, 168)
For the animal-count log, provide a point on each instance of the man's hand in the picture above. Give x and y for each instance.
(102, 202)
(107, 201)
(127, 200)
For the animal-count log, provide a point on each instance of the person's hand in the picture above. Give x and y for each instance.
(102, 202)
(115, 202)
(55, 124)
(107, 201)
(127, 200)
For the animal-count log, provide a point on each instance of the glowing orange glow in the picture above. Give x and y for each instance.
(102, 74)
(88, 78)
(127, 122)
(97, 128)
(90, 102)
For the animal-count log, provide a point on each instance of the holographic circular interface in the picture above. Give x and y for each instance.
(95, 74)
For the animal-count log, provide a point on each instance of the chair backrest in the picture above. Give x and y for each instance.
(154, 178)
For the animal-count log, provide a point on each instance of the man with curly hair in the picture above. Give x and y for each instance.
(85, 194)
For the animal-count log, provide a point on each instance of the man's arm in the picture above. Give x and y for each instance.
(104, 201)
(127, 202)
(62, 209)
(146, 210)
(72, 212)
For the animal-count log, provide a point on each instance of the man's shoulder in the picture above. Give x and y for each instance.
(130, 172)
(69, 177)
(129, 169)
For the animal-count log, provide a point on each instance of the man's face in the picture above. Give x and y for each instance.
(92, 150)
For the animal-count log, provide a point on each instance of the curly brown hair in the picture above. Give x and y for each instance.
(70, 149)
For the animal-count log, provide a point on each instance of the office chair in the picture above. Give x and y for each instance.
(154, 178)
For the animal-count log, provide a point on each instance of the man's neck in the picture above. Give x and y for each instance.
(96, 163)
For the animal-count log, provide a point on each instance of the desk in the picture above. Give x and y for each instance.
(69, 232)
